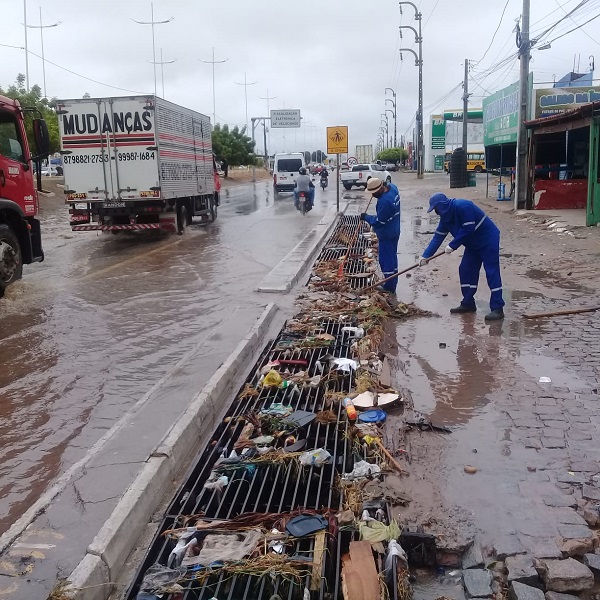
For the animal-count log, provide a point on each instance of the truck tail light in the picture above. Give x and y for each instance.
(360, 175)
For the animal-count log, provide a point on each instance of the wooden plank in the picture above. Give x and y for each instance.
(558, 313)
(363, 563)
(318, 554)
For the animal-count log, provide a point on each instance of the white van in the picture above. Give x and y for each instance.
(286, 168)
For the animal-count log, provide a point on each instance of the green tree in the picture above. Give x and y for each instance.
(393, 154)
(233, 145)
(318, 156)
(34, 99)
(306, 156)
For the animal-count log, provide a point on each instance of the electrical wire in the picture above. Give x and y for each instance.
(431, 14)
(495, 32)
(574, 29)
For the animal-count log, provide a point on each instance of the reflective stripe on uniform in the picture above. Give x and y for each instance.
(468, 285)
(480, 222)
(496, 289)
(440, 232)
(392, 217)
(468, 223)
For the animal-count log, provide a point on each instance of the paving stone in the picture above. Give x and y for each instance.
(591, 514)
(478, 583)
(533, 443)
(575, 532)
(553, 433)
(544, 415)
(567, 516)
(535, 527)
(559, 596)
(473, 557)
(520, 591)
(579, 435)
(579, 419)
(591, 492)
(552, 442)
(565, 500)
(542, 547)
(509, 545)
(593, 562)
(576, 479)
(521, 569)
(566, 576)
(557, 424)
(577, 548)
(520, 423)
(590, 466)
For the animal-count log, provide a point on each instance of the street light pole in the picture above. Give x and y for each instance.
(41, 27)
(419, 63)
(387, 129)
(246, 84)
(387, 110)
(267, 137)
(214, 62)
(162, 62)
(26, 49)
(465, 130)
(395, 114)
(152, 23)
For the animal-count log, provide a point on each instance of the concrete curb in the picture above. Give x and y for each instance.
(289, 270)
(106, 555)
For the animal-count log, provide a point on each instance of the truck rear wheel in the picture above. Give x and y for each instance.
(348, 186)
(213, 210)
(11, 259)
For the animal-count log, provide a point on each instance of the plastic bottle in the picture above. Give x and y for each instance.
(350, 409)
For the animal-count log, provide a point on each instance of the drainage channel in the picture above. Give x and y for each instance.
(239, 486)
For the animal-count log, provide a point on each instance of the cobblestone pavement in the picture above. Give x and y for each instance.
(535, 444)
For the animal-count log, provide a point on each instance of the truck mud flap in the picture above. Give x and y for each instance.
(35, 234)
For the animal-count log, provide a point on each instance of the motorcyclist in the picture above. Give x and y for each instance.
(324, 174)
(304, 184)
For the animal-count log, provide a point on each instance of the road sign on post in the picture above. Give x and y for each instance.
(352, 160)
(337, 140)
(281, 119)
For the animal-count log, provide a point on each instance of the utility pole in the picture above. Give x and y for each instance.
(465, 106)
(246, 84)
(152, 23)
(214, 62)
(524, 56)
(162, 63)
(395, 114)
(387, 129)
(418, 63)
(41, 27)
(268, 99)
(26, 49)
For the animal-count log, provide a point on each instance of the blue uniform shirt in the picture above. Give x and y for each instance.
(386, 223)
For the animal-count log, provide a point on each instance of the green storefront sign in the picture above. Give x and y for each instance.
(438, 162)
(438, 132)
(501, 116)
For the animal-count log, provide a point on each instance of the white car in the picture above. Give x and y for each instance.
(51, 171)
(360, 174)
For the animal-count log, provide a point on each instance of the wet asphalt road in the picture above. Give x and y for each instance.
(102, 322)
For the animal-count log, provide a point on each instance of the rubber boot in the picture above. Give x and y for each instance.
(495, 315)
(462, 309)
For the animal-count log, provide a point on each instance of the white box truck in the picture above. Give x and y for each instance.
(364, 153)
(135, 163)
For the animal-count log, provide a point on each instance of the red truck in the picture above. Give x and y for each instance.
(20, 236)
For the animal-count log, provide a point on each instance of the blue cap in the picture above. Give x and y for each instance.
(436, 199)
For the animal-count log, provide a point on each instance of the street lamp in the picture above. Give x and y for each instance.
(394, 105)
(214, 62)
(41, 27)
(246, 84)
(387, 129)
(388, 110)
(152, 23)
(418, 63)
(162, 62)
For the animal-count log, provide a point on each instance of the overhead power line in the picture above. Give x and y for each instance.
(495, 32)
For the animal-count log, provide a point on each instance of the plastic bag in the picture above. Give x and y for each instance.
(315, 458)
(272, 379)
(362, 468)
(375, 531)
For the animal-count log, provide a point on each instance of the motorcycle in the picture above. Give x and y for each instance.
(303, 203)
(324, 181)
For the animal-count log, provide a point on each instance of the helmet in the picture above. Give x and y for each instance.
(302, 171)
(374, 185)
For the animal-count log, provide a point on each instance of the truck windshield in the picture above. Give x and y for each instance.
(10, 140)
(289, 164)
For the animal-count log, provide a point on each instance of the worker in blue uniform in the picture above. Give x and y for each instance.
(386, 224)
(473, 229)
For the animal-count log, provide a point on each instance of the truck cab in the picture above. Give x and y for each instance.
(20, 235)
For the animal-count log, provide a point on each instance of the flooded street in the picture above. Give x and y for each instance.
(100, 326)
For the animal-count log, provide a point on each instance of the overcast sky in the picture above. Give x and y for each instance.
(332, 59)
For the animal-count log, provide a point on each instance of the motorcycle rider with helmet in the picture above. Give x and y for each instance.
(304, 184)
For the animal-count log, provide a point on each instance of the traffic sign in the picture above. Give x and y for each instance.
(337, 139)
(285, 118)
(352, 160)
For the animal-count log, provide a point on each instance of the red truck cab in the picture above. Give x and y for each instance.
(20, 235)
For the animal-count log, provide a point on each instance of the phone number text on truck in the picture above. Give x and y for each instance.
(136, 163)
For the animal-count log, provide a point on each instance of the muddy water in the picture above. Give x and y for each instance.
(88, 332)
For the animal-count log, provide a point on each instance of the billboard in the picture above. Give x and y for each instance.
(281, 119)
(501, 116)
(553, 101)
(438, 132)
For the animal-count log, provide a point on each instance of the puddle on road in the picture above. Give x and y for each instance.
(443, 585)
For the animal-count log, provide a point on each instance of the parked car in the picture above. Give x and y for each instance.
(51, 171)
(360, 174)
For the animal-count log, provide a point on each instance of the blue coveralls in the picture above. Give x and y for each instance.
(473, 229)
(386, 224)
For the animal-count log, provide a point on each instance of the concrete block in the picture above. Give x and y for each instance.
(566, 576)
(521, 570)
(478, 583)
(520, 591)
(90, 580)
(593, 562)
(574, 532)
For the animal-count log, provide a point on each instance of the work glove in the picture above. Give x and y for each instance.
(448, 249)
(423, 262)
(363, 216)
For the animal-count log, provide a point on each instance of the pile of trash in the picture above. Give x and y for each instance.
(289, 498)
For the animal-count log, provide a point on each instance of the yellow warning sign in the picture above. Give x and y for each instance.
(337, 140)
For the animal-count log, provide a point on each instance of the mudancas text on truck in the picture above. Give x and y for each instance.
(136, 163)
(20, 232)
